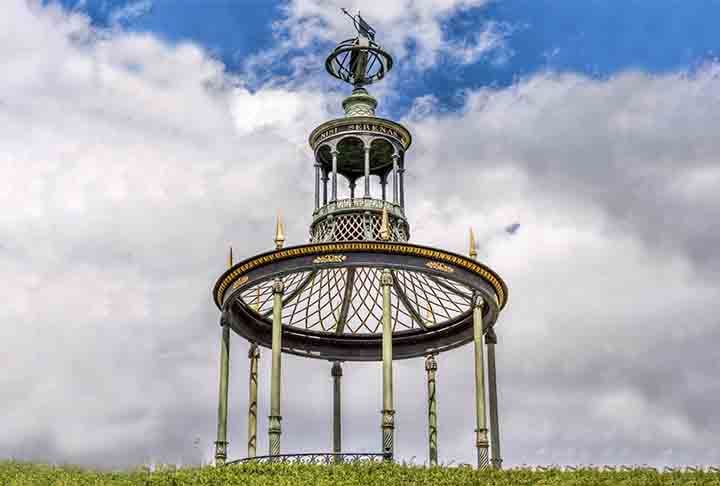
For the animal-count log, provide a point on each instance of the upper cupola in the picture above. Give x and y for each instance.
(359, 146)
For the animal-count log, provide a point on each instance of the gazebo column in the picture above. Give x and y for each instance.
(496, 457)
(221, 441)
(352, 189)
(367, 170)
(388, 413)
(383, 185)
(336, 373)
(395, 177)
(317, 186)
(325, 179)
(275, 418)
(254, 357)
(334, 175)
(431, 368)
(401, 173)
(481, 431)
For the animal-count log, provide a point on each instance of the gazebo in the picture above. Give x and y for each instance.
(359, 291)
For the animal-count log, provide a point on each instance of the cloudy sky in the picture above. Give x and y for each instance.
(139, 139)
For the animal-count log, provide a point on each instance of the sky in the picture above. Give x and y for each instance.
(140, 138)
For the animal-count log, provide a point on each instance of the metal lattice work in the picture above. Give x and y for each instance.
(356, 226)
(348, 300)
(260, 296)
(316, 458)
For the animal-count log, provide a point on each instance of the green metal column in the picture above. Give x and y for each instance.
(254, 356)
(221, 442)
(388, 413)
(496, 457)
(275, 417)
(431, 368)
(336, 373)
(367, 170)
(334, 153)
(481, 431)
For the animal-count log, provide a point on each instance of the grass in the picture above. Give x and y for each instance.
(359, 474)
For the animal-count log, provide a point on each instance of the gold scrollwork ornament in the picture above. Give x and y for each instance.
(330, 259)
(440, 266)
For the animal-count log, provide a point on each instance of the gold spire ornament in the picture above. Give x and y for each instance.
(385, 226)
(473, 245)
(279, 233)
(230, 258)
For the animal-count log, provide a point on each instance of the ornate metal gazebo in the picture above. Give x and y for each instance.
(359, 291)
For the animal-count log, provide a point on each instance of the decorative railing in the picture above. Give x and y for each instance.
(315, 458)
(361, 203)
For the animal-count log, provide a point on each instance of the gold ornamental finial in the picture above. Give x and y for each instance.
(279, 233)
(473, 245)
(230, 258)
(385, 226)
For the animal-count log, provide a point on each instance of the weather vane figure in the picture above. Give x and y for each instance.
(361, 26)
(359, 61)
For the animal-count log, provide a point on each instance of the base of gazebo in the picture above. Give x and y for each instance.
(316, 458)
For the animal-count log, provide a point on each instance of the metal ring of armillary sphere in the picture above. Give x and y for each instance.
(359, 291)
(359, 62)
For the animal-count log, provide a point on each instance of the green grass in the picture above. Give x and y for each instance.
(360, 474)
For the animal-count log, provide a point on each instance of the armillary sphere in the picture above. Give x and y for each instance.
(358, 61)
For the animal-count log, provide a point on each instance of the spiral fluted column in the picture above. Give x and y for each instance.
(253, 356)
(431, 368)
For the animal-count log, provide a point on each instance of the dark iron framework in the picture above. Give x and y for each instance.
(332, 306)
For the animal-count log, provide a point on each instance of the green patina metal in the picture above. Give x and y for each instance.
(254, 357)
(496, 456)
(431, 368)
(221, 442)
(274, 429)
(388, 412)
(481, 431)
(336, 373)
(359, 290)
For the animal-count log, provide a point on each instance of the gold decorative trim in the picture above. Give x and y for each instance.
(330, 259)
(364, 125)
(240, 281)
(440, 266)
(392, 248)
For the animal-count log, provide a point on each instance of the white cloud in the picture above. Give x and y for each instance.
(130, 11)
(491, 40)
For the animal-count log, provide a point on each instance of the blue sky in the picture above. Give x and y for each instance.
(593, 37)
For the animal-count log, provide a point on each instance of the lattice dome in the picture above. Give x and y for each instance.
(348, 300)
(356, 226)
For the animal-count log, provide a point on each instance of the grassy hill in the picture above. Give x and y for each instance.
(360, 474)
